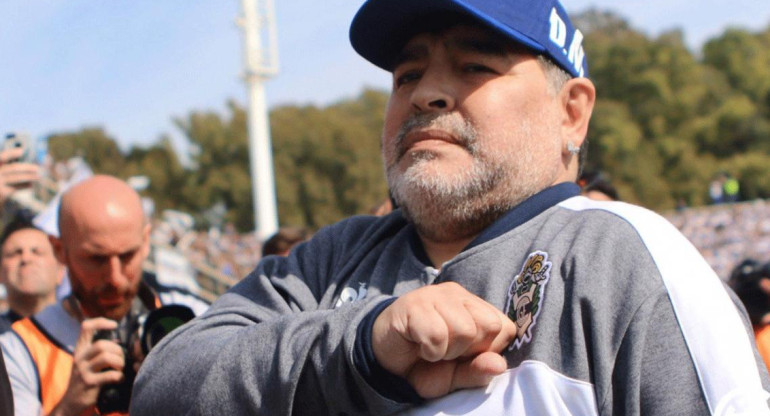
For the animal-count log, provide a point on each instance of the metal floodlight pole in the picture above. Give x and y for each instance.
(260, 49)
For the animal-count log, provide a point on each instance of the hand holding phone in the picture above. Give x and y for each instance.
(17, 167)
(21, 141)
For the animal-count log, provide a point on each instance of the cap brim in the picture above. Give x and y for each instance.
(381, 28)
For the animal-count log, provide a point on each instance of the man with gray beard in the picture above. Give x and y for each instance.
(495, 288)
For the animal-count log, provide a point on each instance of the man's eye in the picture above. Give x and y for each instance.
(126, 257)
(407, 77)
(98, 259)
(472, 68)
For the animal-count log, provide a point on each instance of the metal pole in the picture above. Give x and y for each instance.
(260, 63)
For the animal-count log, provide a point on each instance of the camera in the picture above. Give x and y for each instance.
(18, 140)
(137, 338)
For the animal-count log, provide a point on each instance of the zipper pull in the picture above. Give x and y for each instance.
(431, 274)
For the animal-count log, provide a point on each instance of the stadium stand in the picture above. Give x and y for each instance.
(727, 233)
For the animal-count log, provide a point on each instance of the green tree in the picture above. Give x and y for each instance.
(744, 58)
(665, 122)
(220, 170)
(753, 169)
(98, 149)
(327, 161)
(161, 165)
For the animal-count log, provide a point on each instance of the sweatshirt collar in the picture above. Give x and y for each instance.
(525, 211)
(516, 216)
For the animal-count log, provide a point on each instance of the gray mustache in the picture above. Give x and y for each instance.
(462, 129)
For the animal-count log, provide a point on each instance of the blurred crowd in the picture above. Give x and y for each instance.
(727, 234)
(226, 251)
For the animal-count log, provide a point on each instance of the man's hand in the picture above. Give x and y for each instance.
(442, 338)
(14, 176)
(94, 365)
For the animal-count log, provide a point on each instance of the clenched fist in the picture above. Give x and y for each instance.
(442, 338)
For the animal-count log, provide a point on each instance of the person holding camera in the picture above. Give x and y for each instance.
(57, 362)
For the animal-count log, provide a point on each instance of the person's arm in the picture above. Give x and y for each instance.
(271, 345)
(21, 374)
(255, 352)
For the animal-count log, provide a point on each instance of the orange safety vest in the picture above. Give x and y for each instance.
(54, 364)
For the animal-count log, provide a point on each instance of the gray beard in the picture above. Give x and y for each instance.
(449, 207)
(458, 205)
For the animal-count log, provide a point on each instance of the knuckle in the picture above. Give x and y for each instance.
(465, 331)
(507, 326)
(493, 326)
(116, 377)
(428, 391)
(434, 336)
(89, 379)
(82, 367)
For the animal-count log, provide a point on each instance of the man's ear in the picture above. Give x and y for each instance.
(61, 271)
(577, 99)
(58, 249)
(146, 241)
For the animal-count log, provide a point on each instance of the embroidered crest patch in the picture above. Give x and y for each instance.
(525, 296)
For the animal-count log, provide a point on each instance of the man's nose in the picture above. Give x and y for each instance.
(115, 271)
(26, 256)
(433, 92)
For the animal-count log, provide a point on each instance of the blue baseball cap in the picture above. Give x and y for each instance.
(381, 28)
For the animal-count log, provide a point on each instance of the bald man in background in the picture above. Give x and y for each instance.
(104, 239)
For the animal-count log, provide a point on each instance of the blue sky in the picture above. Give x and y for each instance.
(132, 66)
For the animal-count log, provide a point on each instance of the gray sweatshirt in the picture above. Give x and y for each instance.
(617, 314)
